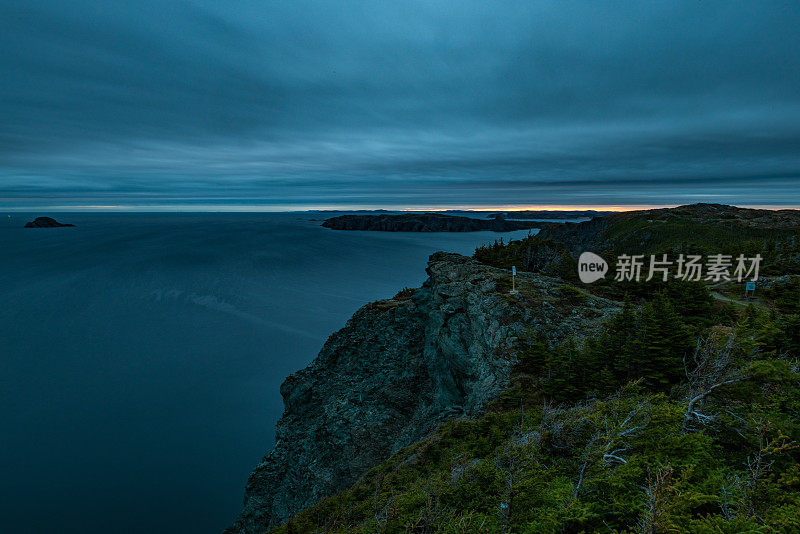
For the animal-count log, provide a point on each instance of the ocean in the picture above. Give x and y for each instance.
(141, 355)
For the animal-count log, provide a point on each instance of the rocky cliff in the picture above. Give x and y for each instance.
(397, 370)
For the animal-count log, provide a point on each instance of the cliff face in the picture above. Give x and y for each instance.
(398, 369)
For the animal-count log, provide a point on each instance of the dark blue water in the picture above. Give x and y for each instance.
(141, 355)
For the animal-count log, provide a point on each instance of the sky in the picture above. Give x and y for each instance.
(281, 105)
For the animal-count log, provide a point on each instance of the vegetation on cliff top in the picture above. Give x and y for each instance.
(660, 424)
(683, 415)
(702, 229)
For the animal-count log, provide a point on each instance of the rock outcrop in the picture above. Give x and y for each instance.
(45, 222)
(398, 369)
(424, 222)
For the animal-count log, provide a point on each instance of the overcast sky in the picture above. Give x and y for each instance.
(296, 104)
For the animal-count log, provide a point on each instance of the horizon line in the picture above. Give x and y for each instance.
(267, 208)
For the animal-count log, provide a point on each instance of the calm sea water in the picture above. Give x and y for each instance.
(141, 355)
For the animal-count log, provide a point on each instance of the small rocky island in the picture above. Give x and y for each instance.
(425, 222)
(45, 222)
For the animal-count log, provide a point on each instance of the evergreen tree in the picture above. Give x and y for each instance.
(665, 342)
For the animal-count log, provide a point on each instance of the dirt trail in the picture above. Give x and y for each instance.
(740, 302)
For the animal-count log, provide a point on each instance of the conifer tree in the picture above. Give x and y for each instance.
(665, 342)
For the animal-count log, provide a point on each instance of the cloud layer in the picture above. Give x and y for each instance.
(354, 104)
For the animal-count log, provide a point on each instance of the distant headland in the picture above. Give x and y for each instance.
(550, 214)
(424, 222)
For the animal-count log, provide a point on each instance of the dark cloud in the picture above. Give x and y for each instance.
(309, 103)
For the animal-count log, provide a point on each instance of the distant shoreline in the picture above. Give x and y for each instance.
(425, 222)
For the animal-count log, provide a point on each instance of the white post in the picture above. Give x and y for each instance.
(513, 280)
